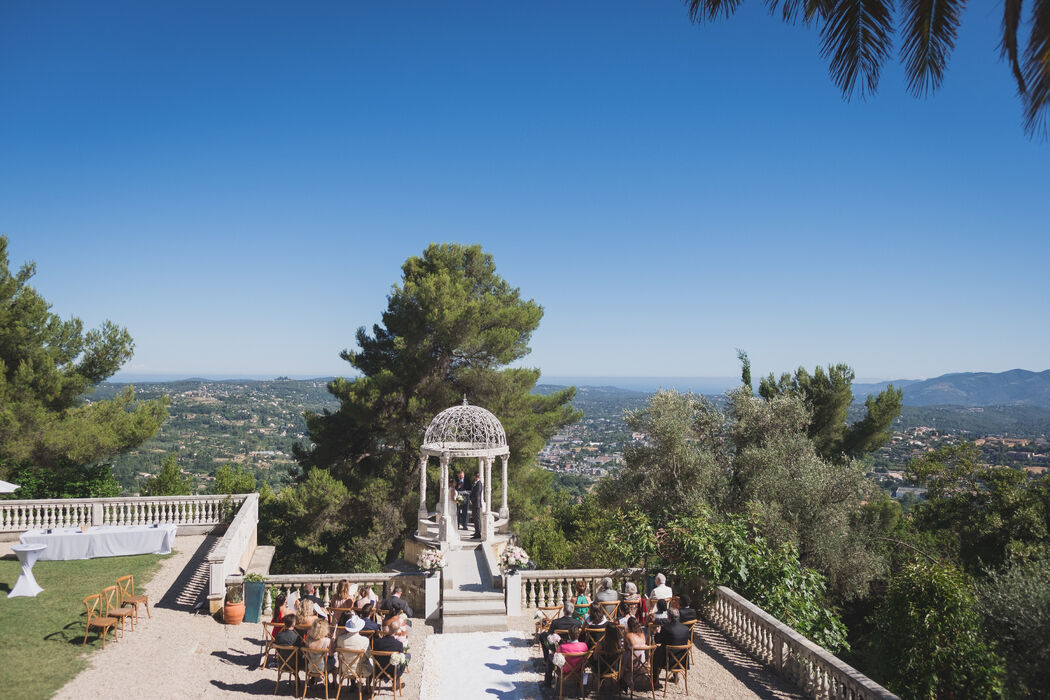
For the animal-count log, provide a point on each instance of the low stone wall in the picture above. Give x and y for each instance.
(234, 551)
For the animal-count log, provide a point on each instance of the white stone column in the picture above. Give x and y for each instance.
(504, 511)
(424, 514)
(488, 484)
(442, 516)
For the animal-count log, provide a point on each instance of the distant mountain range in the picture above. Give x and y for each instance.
(1017, 387)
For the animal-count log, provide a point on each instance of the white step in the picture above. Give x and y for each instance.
(473, 607)
(474, 623)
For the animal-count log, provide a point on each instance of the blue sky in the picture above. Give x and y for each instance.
(239, 183)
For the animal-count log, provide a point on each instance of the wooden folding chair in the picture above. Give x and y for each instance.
(691, 625)
(630, 609)
(608, 669)
(346, 670)
(575, 673)
(110, 597)
(384, 670)
(643, 667)
(610, 608)
(287, 662)
(127, 595)
(549, 613)
(676, 660)
(315, 664)
(96, 619)
(269, 629)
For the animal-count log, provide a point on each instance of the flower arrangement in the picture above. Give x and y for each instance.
(553, 640)
(431, 560)
(398, 659)
(460, 498)
(512, 558)
(558, 659)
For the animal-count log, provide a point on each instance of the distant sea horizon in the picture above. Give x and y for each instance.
(701, 385)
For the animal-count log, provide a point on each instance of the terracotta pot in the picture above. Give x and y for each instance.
(233, 613)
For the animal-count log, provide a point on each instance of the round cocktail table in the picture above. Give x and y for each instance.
(26, 584)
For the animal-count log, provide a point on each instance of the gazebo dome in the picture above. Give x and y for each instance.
(465, 428)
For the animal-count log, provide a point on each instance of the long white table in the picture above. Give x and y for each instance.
(102, 541)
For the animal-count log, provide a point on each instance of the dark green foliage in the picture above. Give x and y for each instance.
(65, 481)
(448, 329)
(929, 641)
(1015, 604)
(981, 514)
(46, 367)
(827, 395)
(232, 478)
(169, 481)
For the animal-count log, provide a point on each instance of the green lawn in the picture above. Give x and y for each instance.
(44, 633)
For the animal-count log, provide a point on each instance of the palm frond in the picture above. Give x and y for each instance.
(857, 37)
(1036, 71)
(1008, 46)
(809, 10)
(706, 10)
(930, 28)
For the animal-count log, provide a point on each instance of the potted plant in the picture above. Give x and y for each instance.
(233, 609)
(254, 595)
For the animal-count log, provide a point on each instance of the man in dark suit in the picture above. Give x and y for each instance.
(461, 508)
(288, 637)
(475, 505)
(685, 612)
(366, 614)
(311, 595)
(672, 633)
(559, 626)
(388, 642)
(394, 603)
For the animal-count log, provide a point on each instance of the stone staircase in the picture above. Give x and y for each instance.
(469, 601)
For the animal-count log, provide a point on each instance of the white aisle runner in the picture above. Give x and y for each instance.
(480, 665)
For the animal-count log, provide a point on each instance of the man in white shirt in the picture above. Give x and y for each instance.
(662, 590)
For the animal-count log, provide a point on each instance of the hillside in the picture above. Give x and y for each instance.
(1017, 387)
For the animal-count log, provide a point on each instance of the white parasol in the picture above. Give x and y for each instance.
(7, 487)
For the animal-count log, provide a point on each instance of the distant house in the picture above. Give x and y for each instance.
(902, 491)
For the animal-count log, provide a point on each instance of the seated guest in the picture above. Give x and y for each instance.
(633, 655)
(343, 597)
(304, 612)
(660, 611)
(571, 644)
(685, 611)
(311, 594)
(394, 603)
(673, 633)
(607, 594)
(596, 620)
(368, 596)
(559, 626)
(288, 637)
(366, 614)
(353, 640)
(279, 611)
(662, 590)
(630, 595)
(582, 602)
(402, 621)
(389, 642)
(317, 638)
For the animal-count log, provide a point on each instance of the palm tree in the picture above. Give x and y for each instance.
(857, 38)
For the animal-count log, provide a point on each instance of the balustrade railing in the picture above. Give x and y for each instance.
(547, 588)
(808, 666)
(382, 584)
(19, 516)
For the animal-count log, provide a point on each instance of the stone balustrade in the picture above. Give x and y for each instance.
(416, 591)
(193, 514)
(547, 588)
(234, 551)
(811, 668)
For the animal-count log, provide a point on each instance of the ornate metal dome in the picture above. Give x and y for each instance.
(465, 427)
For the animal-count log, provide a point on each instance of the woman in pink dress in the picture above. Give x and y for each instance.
(573, 646)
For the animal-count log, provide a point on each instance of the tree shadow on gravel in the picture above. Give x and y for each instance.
(759, 679)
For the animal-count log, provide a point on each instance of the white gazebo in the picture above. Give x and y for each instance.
(461, 431)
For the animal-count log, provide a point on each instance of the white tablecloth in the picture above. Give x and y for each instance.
(103, 541)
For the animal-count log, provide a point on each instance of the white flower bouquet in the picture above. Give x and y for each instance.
(460, 498)
(558, 659)
(431, 560)
(398, 659)
(512, 558)
(553, 640)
